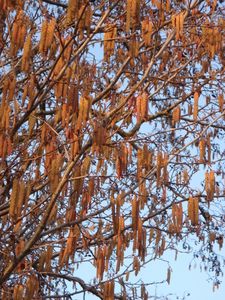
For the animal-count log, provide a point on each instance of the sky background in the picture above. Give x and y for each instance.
(193, 282)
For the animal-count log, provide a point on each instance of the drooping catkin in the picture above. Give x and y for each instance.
(133, 14)
(193, 210)
(18, 32)
(87, 19)
(26, 54)
(135, 213)
(212, 182)
(109, 41)
(195, 109)
(72, 11)
(22, 34)
(84, 111)
(158, 168)
(178, 23)
(168, 275)
(144, 106)
(221, 102)
(11, 86)
(147, 28)
(50, 32)
(176, 115)
(202, 150)
(14, 35)
(13, 200)
(42, 43)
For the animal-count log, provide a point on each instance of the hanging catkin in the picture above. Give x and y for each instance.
(72, 11)
(133, 14)
(202, 150)
(195, 109)
(47, 35)
(178, 24)
(18, 33)
(109, 41)
(146, 26)
(176, 115)
(13, 200)
(26, 54)
(193, 210)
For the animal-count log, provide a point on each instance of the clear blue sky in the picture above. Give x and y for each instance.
(183, 280)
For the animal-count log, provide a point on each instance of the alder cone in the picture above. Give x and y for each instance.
(111, 144)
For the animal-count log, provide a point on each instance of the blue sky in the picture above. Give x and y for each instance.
(193, 282)
(183, 281)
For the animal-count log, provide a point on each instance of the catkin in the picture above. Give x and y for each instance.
(212, 182)
(147, 31)
(72, 11)
(12, 87)
(195, 110)
(50, 33)
(221, 102)
(193, 210)
(22, 35)
(168, 275)
(178, 23)
(26, 54)
(202, 150)
(15, 32)
(109, 41)
(42, 43)
(135, 213)
(176, 115)
(133, 14)
(144, 106)
(158, 168)
(13, 200)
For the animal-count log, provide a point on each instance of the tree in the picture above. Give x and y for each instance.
(111, 111)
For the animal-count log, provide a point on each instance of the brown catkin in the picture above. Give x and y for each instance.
(144, 106)
(181, 23)
(87, 19)
(18, 32)
(212, 182)
(202, 150)
(72, 11)
(14, 37)
(195, 109)
(109, 41)
(12, 86)
(138, 108)
(207, 185)
(135, 213)
(21, 196)
(128, 18)
(176, 115)
(50, 32)
(158, 168)
(167, 5)
(26, 54)
(13, 200)
(147, 31)
(185, 176)
(193, 210)
(133, 14)
(42, 43)
(22, 34)
(221, 102)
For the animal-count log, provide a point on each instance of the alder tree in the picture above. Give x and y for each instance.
(111, 144)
